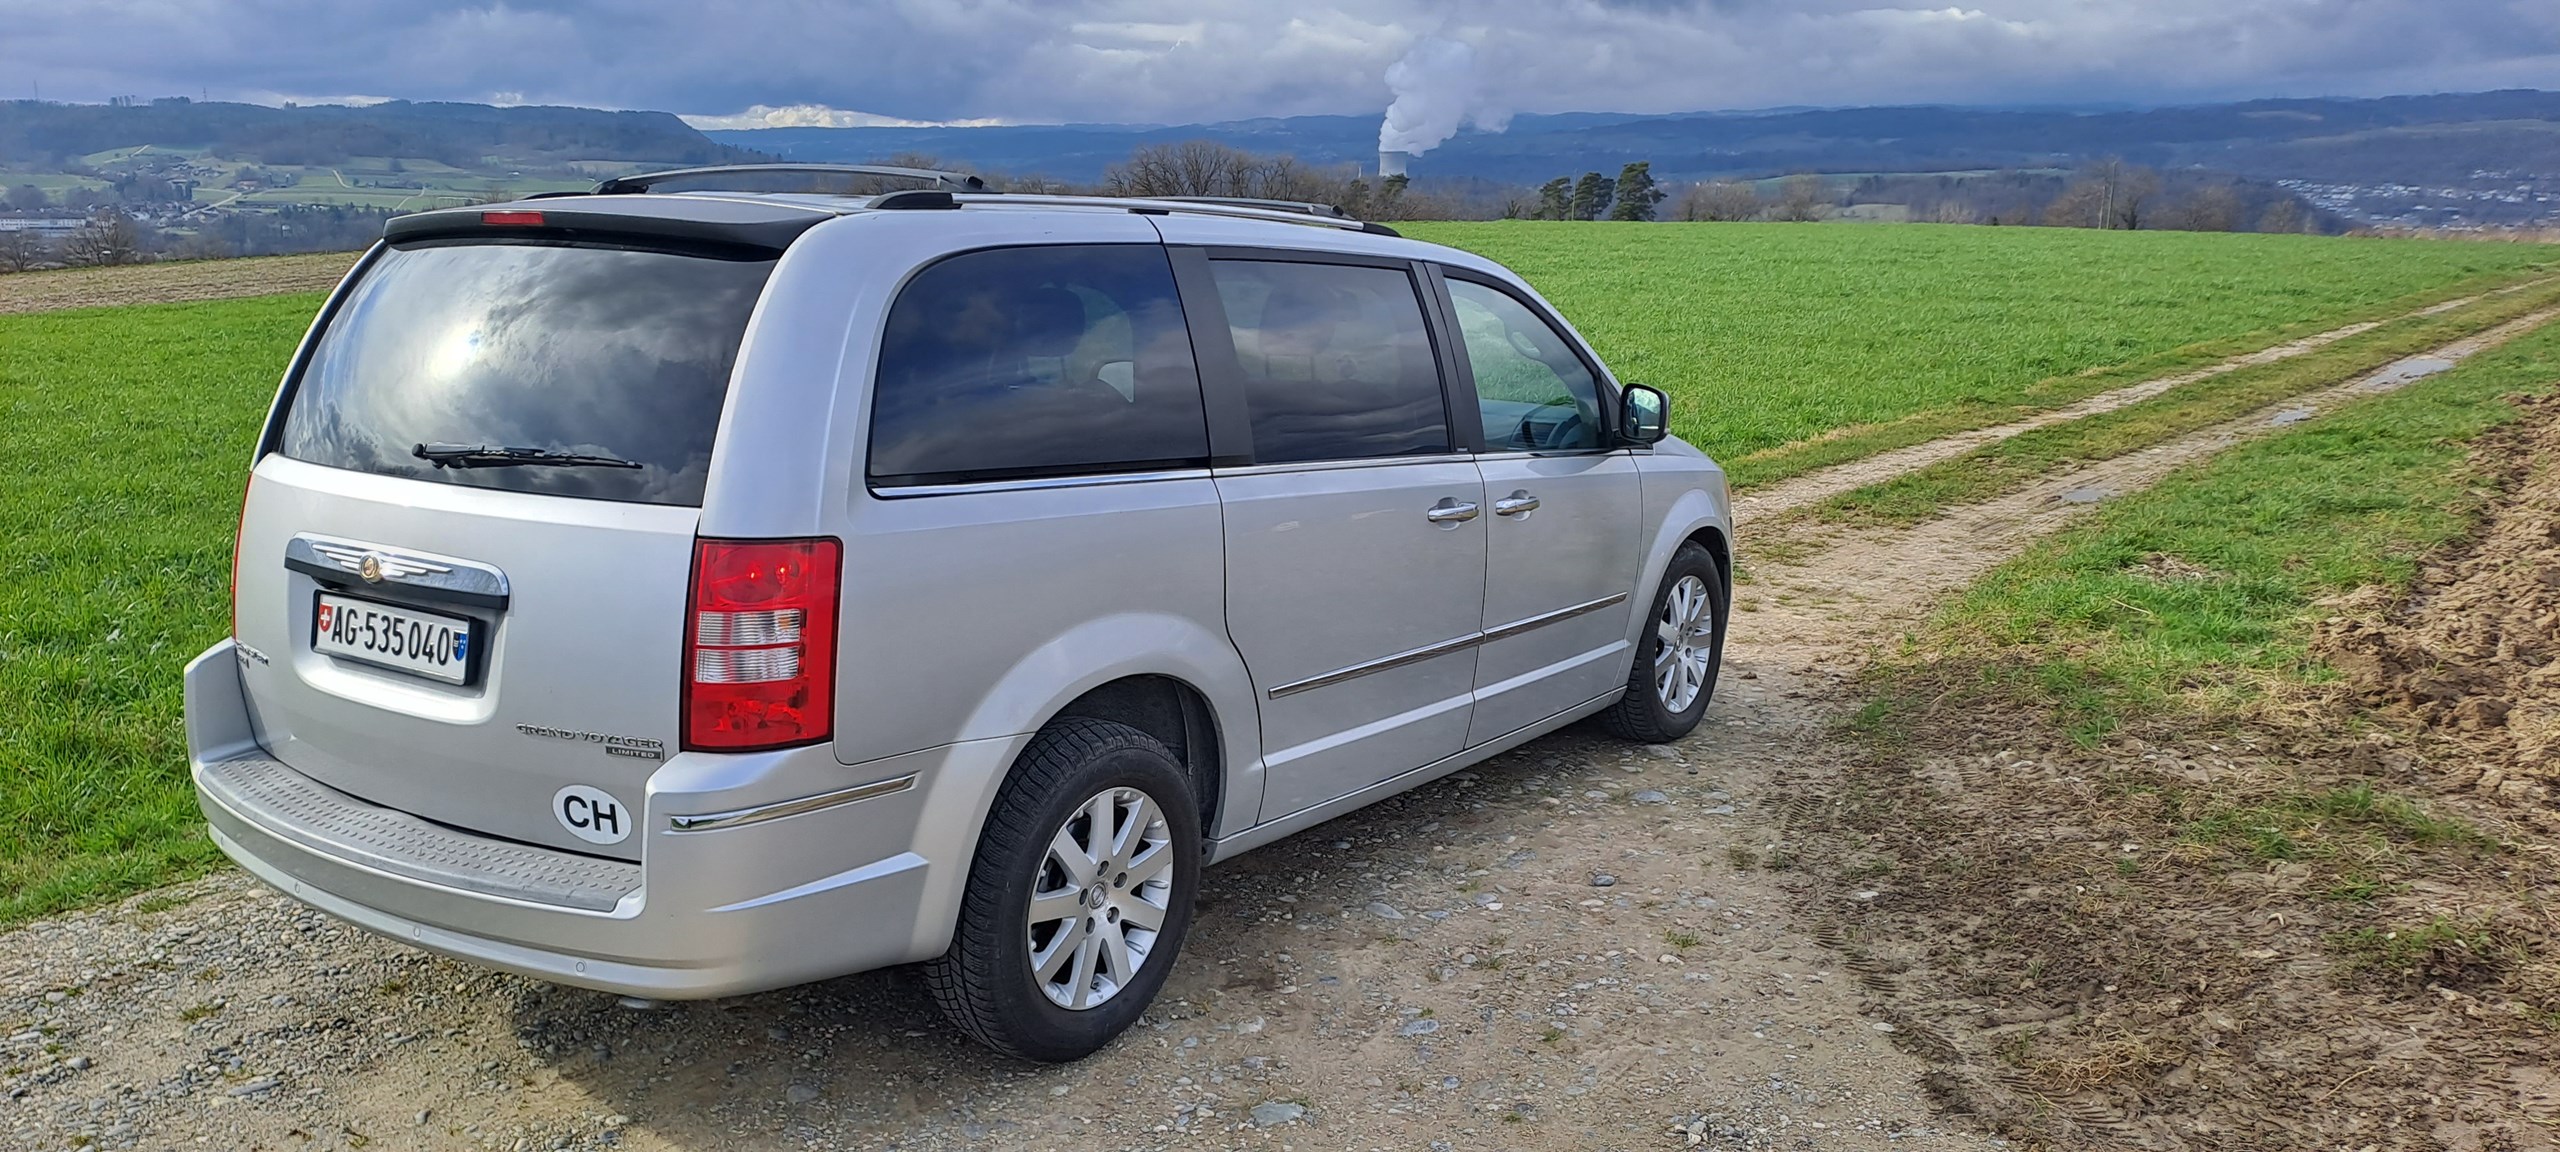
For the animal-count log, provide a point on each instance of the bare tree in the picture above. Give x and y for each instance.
(108, 238)
(21, 249)
(2283, 216)
(1953, 212)
(2136, 189)
(200, 245)
(1720, 200)
(1191, 168)
(2082, 205)
(2213, 208)
(1800, 199)
(1207, 168)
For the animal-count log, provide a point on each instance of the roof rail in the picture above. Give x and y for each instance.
(1277, 211)
(643, 182)
(1299, 206)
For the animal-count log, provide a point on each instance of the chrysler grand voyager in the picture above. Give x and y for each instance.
(682, 593)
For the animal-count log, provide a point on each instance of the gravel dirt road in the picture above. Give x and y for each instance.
(1581, 944)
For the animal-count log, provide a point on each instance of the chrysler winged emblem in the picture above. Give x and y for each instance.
(376, 565)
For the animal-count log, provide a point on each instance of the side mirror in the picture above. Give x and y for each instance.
(1644, 414)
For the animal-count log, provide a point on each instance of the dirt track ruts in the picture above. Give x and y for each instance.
(1447, 969)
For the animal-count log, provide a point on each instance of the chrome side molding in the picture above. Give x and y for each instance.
(714, 821)
(1445, 647)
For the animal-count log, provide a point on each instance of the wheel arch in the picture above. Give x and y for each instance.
(1178, 715)
(1166, 675)
(1694, 518)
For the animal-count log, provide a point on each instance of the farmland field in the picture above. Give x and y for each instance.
(123, 437)
(1771, 334)
(123, 434)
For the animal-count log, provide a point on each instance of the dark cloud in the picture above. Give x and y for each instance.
(1182, 60)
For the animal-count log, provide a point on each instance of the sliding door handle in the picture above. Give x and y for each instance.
(1451, 511)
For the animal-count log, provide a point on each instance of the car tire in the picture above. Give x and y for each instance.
(1647, 713)
(990, 982)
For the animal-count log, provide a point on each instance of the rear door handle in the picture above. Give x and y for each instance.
(1515, 504)
(1451, 511)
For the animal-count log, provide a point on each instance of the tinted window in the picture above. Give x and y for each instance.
(1337, 364)
(1036, 361)
(593, 351)
(1531, 390)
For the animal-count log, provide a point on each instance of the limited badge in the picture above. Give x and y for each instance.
(591, 814)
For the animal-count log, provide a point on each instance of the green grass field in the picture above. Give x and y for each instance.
(2082, 624)
(1768, 335)
(124, 433)
(124, 438)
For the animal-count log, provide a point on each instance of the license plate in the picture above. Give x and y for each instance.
(427, 644)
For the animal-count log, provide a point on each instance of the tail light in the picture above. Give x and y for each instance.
(760, 644)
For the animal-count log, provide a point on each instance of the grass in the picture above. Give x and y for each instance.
(124, 432)
(2444, 950)
(2322, 823)
(2249, 542)
(1789, 347)
(124, 439)
(2000, 467)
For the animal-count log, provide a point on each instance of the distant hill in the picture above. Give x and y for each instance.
(35, 135)
(2449, 139)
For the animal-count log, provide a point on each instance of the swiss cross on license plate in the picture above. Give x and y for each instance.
(429, 644)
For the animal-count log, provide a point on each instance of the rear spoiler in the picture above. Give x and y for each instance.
(763, 225)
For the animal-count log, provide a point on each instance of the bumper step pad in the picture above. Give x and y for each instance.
(295, 807)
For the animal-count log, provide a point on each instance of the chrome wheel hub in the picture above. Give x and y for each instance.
(1687, 634)
(1099, 901)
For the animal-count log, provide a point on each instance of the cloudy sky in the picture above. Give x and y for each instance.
(1189, 60)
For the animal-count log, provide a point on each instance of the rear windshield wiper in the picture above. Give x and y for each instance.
(494, 456)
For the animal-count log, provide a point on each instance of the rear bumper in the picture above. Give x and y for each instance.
(798, 892)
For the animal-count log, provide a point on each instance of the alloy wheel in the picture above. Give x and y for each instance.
(1687, 631)
(1099, 903)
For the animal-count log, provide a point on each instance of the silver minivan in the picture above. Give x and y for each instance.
(685, 590)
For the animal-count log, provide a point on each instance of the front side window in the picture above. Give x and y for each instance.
(583, 371)
(1532, 391)
(1336, 361)
(1044, 361)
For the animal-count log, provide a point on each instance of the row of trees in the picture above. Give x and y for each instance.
(1206, 168)
(1632, 196)
(109, 236)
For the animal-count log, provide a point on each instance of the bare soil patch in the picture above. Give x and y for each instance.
(2238, 936)
(2472, 656)
(169, 283)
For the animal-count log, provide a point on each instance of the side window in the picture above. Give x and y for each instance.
(1036, 361)
(1336, 361)
(1531, 390)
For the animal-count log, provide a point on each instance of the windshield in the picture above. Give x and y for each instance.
(607, 353)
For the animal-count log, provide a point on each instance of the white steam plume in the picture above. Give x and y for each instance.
(1436, 89)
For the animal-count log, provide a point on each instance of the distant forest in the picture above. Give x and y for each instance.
(44, 135)
(2204, 168)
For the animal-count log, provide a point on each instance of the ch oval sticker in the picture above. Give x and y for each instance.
(591, 814)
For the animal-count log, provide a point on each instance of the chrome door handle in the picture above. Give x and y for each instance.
(1515, 504)
(1449, 511)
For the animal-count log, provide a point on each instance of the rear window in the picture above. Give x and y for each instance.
(618, 356)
